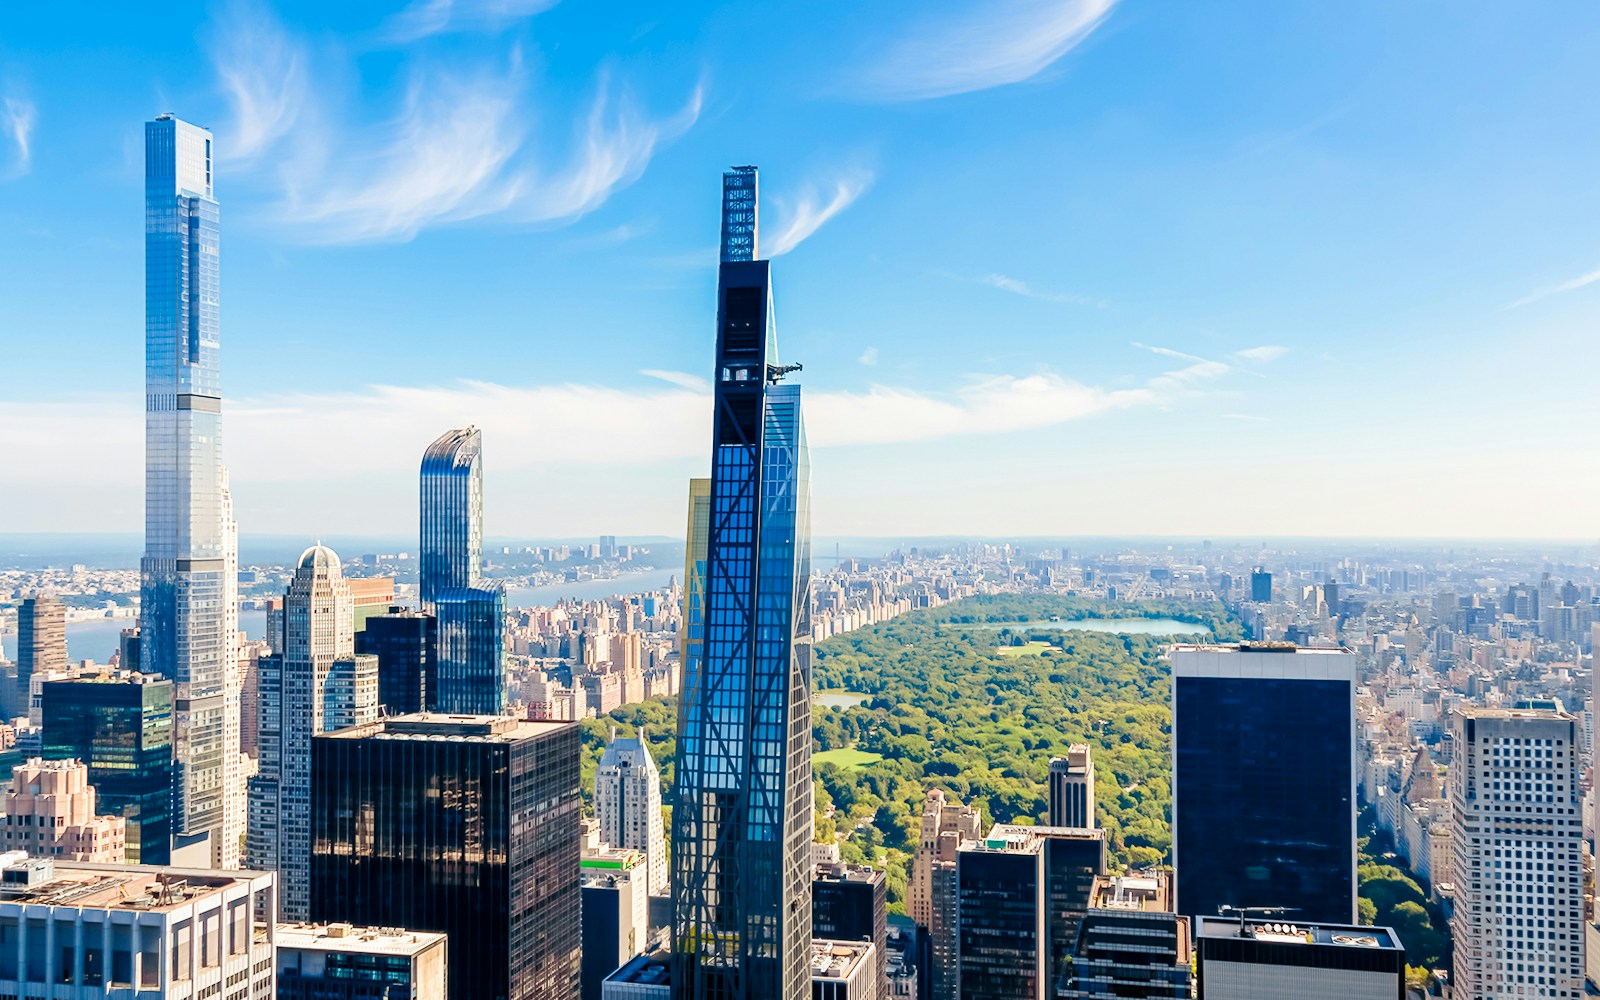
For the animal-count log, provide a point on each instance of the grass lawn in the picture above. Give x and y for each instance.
(1031, 649)
(848, 758)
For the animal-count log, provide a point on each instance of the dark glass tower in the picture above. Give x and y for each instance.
(1263, 780)
(404, 643)
(451, 554)
(469, 826)
(122, 729)
(741, 872)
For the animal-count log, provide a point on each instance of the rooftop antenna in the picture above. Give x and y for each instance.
(1254, 911)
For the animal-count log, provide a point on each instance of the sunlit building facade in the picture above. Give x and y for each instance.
(742, 818)
(185, 584)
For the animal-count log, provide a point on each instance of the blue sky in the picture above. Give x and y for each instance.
(1067, 267)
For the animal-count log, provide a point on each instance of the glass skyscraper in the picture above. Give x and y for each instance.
(742, 801)
(122, 728)
(186, 573)
(470, 670)
(692, 625)
(1263, 780)
(452, 514)
(469, 826)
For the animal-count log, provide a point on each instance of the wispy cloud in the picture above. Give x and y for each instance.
(265, 78)
(869, 356)
(1264, 353)
(682, 380)
(806, 214)
(1581, 281)
(433, 17)
(16, 125)
(991, 44)
(1018, 287)
(460, 146)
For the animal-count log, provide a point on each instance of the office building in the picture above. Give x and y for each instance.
(1072, 788)
(931, 891)
(691, 626)
(851, 903)
(451, 555)
(844, 970)
(88, 932)
(121, 727)
(188, 576)
(50, 813)
(1517, 921)
(909, 959)
(1260, 586)
(1131, 945)
(742, 821)
(405, 643)
(627, 802)
(41, 639)
(464, 825)
(316, 683)
(128, 649)
(1262, 960)
(616, 921)
(1000, 911)
(1263, 779)
(471, 668)
(1072, 858)
(341, 962)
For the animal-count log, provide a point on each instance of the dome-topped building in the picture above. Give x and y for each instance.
(321, 557)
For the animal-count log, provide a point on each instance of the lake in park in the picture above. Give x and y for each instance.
(839, 699)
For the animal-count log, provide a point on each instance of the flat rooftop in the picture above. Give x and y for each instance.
(356, 940)
(1261, 647)
(1285, 932)
(127, 887)
(438, 726)
(847, 873)
(837, 959)
(1143, 892)
(651, 969)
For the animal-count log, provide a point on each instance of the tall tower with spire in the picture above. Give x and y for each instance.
(742, 812)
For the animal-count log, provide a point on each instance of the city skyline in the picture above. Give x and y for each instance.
(1169, 252)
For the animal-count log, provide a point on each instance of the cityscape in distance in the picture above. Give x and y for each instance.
(1041, 500)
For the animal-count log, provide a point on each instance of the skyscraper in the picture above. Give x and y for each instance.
(41, 640)
(691, 624)
(627, 802)
(1517, 826)
(185, 581)
(406, 645)
(316, 683)
(931, 890)
(468, 826)
(742, 816)
(451, 554)
(1072, 788)
(122, 729)
(1257, 960)
(1002, 954)
(1260, 586)
(471, 667)
(1263, 779)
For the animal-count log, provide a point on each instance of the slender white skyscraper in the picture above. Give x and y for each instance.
(627, 801)
(190, 550)
(316, 684)
(1517, 924)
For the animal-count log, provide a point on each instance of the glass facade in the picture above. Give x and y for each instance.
(185, 587)
(452, 514)
(122, 729)
(1000, 914)
(467, 827)
(1262, 795)
(471, 668)
(405, 643)
(742, 816)
(692, 637)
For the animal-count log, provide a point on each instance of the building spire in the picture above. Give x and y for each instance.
(739, 215)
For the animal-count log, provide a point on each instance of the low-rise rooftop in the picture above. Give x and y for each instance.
(461, 728)
(125, 887)
(837, 959)
(356, 940)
